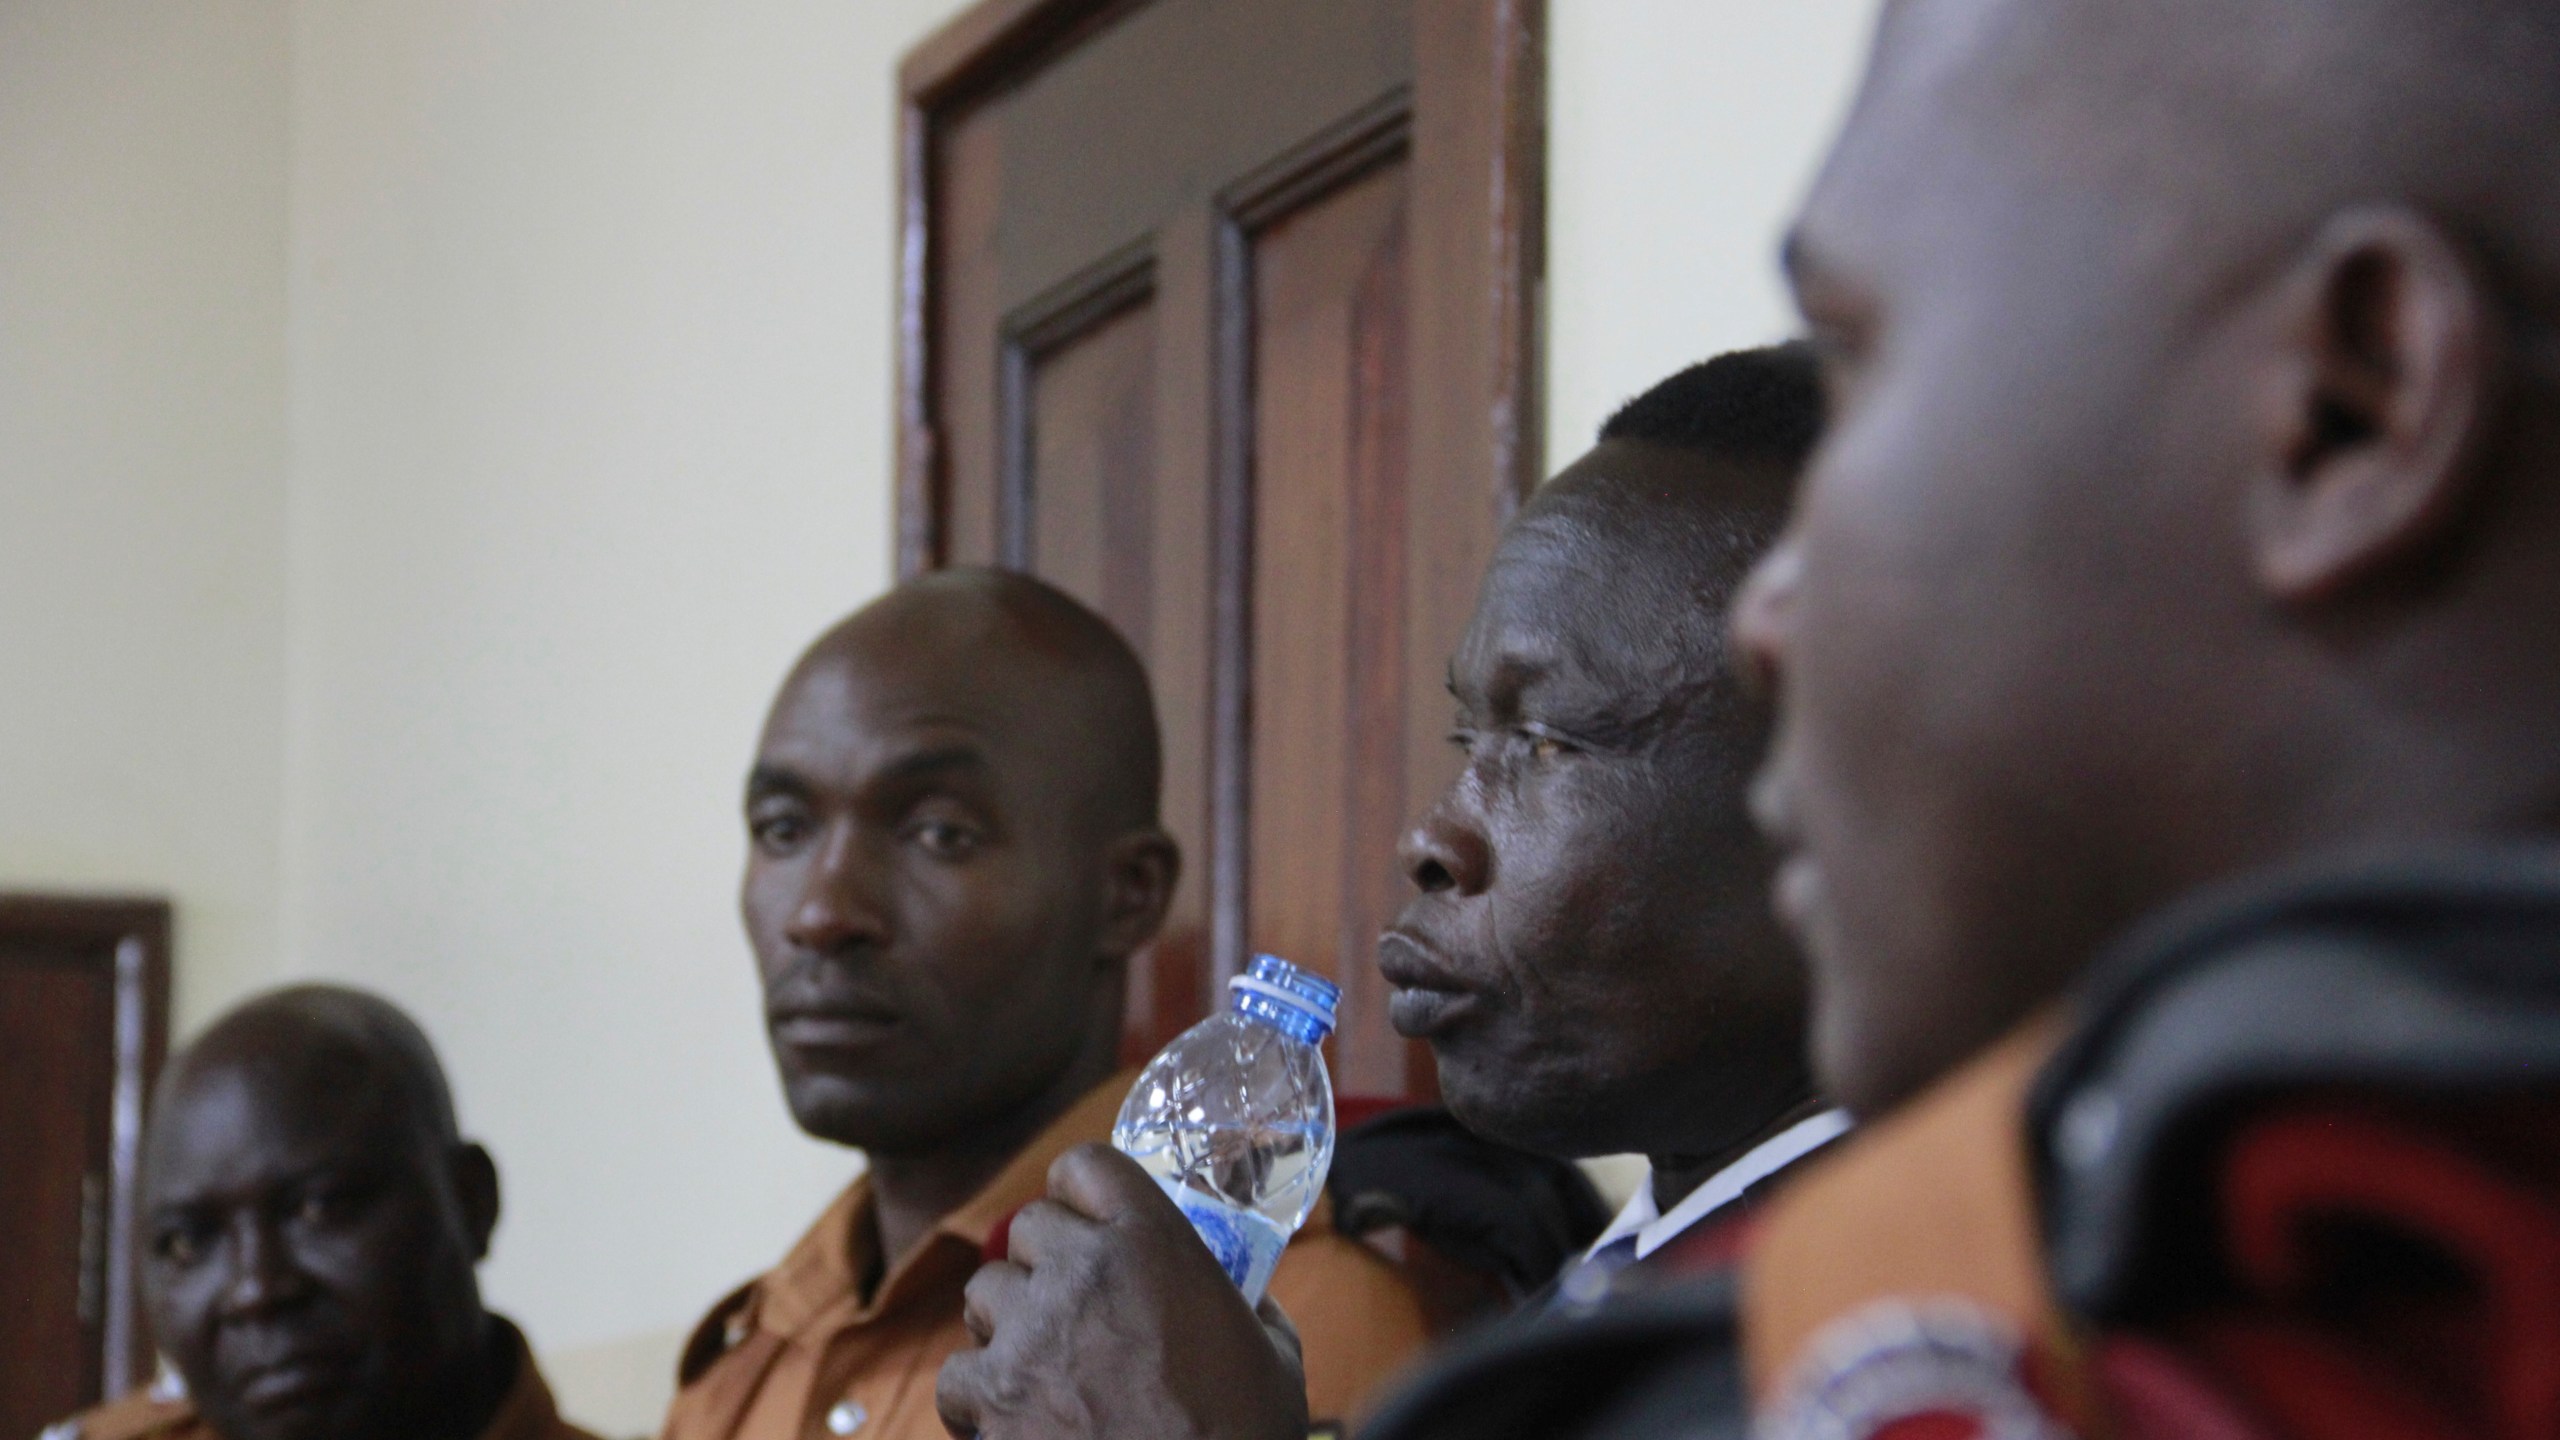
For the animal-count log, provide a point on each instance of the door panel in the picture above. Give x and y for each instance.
(1328, 602)
(1085, 495)
(83, 993)
(1203, 301)
(57, 1034)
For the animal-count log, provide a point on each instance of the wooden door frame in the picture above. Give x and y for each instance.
(1480, 89)
(132, 934)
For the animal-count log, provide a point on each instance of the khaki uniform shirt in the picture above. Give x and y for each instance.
(797, 1355)
(163, 1412)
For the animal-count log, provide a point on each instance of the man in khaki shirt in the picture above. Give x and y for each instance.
(953, 851)
(312, 1219)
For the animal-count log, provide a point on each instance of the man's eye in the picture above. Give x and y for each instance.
(944, 840)
(1544, 747)
(178, 1246)
(331, 1205)
(778, 832)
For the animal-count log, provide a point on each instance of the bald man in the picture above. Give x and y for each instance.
(313, 1217)
(953, 850)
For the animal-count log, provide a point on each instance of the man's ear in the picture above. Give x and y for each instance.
(1140, 870)
(2385, 395)
(475, 1189)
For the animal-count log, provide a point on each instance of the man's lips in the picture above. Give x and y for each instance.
(1795, 886)
(1773, 809)
(1430, 998)
(291, 1381)
(849, 1028)
(1795, 892)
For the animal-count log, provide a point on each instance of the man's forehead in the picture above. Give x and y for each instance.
(248, 1120)
(1566, 603)
(843, 709)
(1938, 72)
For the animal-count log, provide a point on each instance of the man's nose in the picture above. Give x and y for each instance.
(1441, 854)
(1761, 613)
(838, 908)
(265, 1277)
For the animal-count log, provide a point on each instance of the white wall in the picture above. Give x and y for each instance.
(142, 380)
(1681, 134)
(590, 431)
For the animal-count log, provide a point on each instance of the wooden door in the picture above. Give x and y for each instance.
(1218, 314)
(83, 1001)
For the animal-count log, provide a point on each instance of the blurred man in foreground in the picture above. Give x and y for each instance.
(2190, 516)
(953, 850)
(313, 1218)
(1589, 951)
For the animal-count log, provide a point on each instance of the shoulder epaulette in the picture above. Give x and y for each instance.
(729, 1322)
(144, 1413)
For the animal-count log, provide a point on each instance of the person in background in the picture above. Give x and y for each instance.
(313, 1218)
(1588, 951)
(953, 850)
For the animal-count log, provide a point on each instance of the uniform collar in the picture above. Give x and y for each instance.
(1653, 1229)
(818, 1282)
(1929, 1204)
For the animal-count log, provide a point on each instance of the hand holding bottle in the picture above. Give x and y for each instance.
(1110, 1319)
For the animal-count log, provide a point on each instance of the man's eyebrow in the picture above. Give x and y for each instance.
(775, 780)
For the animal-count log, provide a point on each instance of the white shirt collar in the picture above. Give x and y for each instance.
(1653, 1229)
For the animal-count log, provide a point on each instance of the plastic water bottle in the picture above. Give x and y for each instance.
(1235, 1117)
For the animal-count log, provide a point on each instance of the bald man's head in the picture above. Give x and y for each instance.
(2190, 488)
(2229, 131)
(1037, 648)
(313, 1220)
(953, 849)
(329, 1034)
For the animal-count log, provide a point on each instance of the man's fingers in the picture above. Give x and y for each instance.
(1099, 1181)
(1282, 1330)
(957, 1391)
(1043, 1232)
(990, 1296)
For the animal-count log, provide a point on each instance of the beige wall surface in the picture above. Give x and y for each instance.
(427, 430)
(1681, 134)
(591, 326)
(142, 382)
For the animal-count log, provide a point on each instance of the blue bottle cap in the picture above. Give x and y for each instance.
(1290, 1000)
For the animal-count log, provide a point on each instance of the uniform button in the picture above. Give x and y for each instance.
(846, 1418)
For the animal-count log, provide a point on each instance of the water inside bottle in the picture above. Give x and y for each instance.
(1235, 1118)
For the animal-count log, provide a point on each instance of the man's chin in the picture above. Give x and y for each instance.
(877, 1117)
(832, 1107)
(1554, 1126)
(316, 1417)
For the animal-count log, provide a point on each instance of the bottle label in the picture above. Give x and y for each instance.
(1247, 1245)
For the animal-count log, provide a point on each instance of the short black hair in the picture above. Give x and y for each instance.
(1760, 405)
